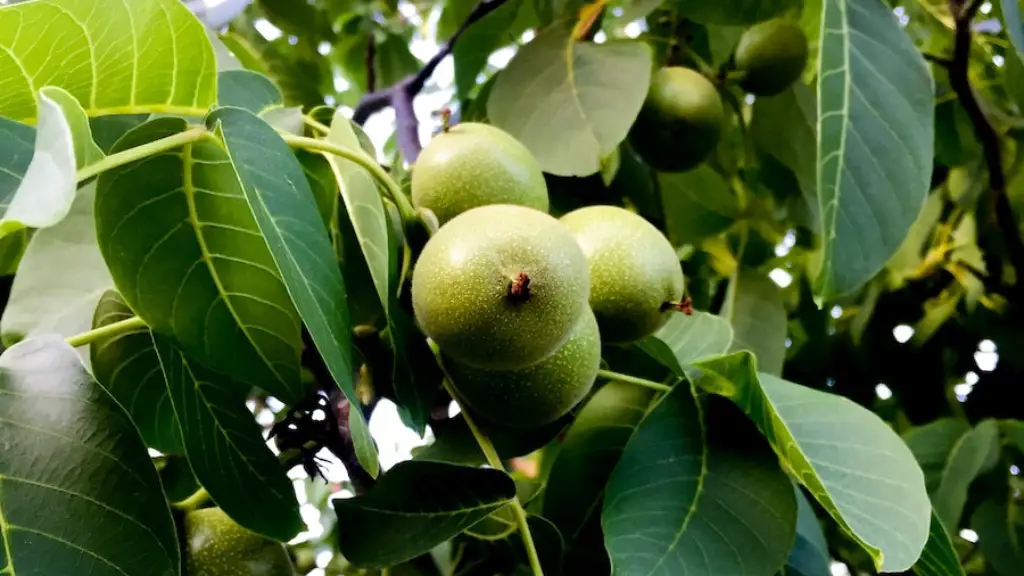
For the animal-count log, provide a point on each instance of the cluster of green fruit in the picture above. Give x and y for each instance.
(518, 302)
(682, 118)
(216, 546)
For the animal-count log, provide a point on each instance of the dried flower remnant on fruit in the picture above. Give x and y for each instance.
(519, 288)
(685, 306)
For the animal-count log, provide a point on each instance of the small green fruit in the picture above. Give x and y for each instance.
(635, 276)
(680, 122)
(500, 286)
(773, 55)
(217, 546)
(539, 394)
(473, 165)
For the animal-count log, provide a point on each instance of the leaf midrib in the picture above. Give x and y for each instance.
(5, 531)
(189, 189)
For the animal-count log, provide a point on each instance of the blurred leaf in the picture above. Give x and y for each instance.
(733, 12)
(809, 555)
(932, 445)
(246, 89)
(286, 212)
(697, 490)
(127, 366)
(226, 449)
(908, 257)
(850, 460)
(172, 71)
(684, 339)
(754, 309)
(875, 142)
(499, 524)
(965, 462)
(955, 142)
(80, 495)
(1014, 23)
(697, 204)
(938, 558)
(454, 442)
(1000, 534)
(60, 278)
(187, 256)
(576, 484)
(415, 506)
(570, 103)
(477, 43)
(246, 53)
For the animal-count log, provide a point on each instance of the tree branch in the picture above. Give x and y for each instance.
(999, 212)
(401, 95)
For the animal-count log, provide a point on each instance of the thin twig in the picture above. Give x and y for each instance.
(400, 96)
(371, 70)
(999, 208)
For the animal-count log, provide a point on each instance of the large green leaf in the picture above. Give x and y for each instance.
(938, 558)
(875, 141)
(857, 468)
(114, 57)
(697, 204)
(16, 149)
(571, 103)
(187, 256)
(809, 555)
(686, 338)
(732, 12)
(286, 211)
(78, 494)
(753, 306)
(698, 491)
(576, 484)
(245, 89)
(415, 506)
(60, 278)
(225, 447)
(127, 366)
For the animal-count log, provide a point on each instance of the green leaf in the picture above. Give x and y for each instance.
(953, 465)
(697, 204)
(286, 212)
(938, 558)
(115, 58)
(783, 126)
(856, 467)
(500, 524)
(576, 484)
(245, 89)
(60, 278)
(686, 338)
(415, 506)
(809, 555)
(78, 494)
(176, 477)
(875, 141)
(63, 145)
(571, 103)
(17, 144)
(697, 491)
(127, 366)
(477, 43)
(754, 308)
(732, 12)
(12, 249)
(225, 447)
(187, 256)
(454, 441)
(1014, 23)
(107, 130)
(1000, 534)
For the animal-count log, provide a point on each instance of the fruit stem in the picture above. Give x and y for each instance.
(685, 306)
(619, 377)
(446, 116)
(519, 288)
(487, 447)
(119, 327)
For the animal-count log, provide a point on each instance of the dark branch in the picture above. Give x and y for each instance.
(371, 69)
(999, 211)
(400, 96)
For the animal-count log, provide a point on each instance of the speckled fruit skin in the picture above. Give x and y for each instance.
(539, 394)
(633, 271)
(680, 122)
(460, 286)
(473, 165)
(773, 54)
(216, 546)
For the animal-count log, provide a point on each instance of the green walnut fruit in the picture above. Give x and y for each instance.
(473, 165)
(538, 394)
(772, 55)
(500, 286)
(680, 122)
(217, 546)
(636, 281)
